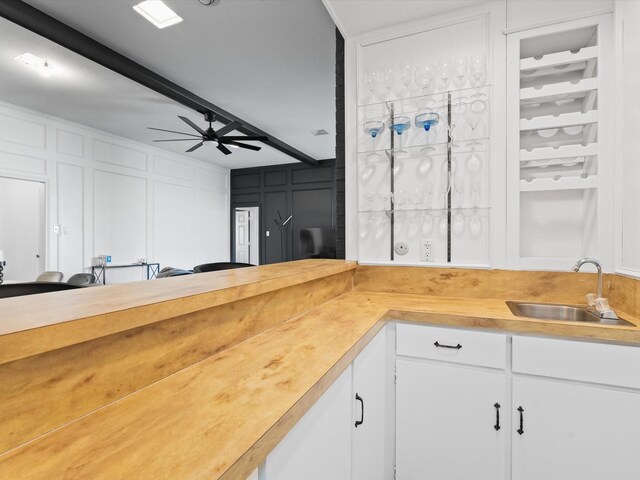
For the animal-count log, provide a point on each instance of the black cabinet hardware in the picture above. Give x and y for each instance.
(521, 429)
(497, 425)
(454, 347)
(361, 421)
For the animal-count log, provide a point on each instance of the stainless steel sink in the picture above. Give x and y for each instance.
(565, 313)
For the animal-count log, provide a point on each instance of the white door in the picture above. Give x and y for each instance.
(372, 387)
(319, 445)
(243, 240)
(22, 231)
(446, 422)
(574, 432)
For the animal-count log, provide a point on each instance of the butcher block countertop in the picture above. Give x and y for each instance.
(220, 417)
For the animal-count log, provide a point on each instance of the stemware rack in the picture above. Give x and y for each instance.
(416, 184)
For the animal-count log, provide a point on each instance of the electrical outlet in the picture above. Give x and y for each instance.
(427, 249)
(401, 248)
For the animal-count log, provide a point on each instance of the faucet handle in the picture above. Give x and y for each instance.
(591, 299)
(602, 305)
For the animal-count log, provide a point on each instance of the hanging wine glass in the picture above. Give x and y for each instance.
(475, 224)
(457, 223)
(475, 113)
(458, 108)
(460, 71)
(426, 163)
(388, 80)
(478, 71)
(425, 78)
(405, 77)
(427, 224)
(444, 74)
(399, 125)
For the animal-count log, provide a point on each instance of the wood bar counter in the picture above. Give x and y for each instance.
(201, 376)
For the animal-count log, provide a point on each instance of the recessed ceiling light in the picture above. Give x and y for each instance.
(37, 63)
(157, 13)
(317, 133)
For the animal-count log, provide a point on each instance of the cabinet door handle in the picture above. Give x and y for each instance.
(441, 345)
(497, 425)
(361, 421)
(521, 429)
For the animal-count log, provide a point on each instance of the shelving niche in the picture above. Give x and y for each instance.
(560, 142)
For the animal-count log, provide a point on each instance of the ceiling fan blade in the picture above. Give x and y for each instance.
(195, 147)
(173, 131)
(192, 125)
(223, 149)
(253, 138)
(244, 145)
(175, 140)
(228, 128)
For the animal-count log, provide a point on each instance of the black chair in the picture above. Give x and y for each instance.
(33, 288)
(82, 279)
(173, 272)
(215, 267)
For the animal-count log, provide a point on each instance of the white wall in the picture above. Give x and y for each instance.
(110, 195)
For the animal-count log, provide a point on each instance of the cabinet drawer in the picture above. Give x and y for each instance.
(573, 360)
(452, 345)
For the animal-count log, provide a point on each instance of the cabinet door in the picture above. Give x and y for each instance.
(574, 432)
(445, 422)
(319, 445)
(372, 389)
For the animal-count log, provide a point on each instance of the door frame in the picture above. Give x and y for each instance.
(232, 233)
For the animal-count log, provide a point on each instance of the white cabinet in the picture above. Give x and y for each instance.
(574, 432)
(447, 422)
(373, 396)
(319, 446)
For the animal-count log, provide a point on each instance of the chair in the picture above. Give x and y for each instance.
(82, 279)
(214, 267)
(32, 288)
(55, 277)
(173, 272)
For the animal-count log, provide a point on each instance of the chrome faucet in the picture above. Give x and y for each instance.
(582, 261)
(601, 307)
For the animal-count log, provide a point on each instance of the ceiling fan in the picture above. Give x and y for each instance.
(220, 136)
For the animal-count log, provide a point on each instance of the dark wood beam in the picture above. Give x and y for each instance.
(48, 27)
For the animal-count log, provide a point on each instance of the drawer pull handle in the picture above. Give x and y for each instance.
(497, 425)
(521, 429)
(361, 421)
(453, 347)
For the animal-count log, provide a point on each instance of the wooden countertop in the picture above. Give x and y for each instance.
(220, 417)
(54, 320)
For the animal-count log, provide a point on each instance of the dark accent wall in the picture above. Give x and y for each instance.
(307, 193)
(340, 148)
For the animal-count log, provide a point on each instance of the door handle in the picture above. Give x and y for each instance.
(497, 425)
(441, 345)
(361, 421)
(521, 429)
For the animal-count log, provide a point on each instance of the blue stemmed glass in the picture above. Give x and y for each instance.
(427, 120)
(373, 128)
(399, 125)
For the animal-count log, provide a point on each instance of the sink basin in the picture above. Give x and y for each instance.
(565, 313)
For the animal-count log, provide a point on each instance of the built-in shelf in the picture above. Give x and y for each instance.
(558, 59)
(558, 91)
(562, 183)
(558, 121)
(566, 151)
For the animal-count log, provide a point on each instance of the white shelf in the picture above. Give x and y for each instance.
(556, 91)
(557, 121)
(559, 58)
(567, 151)
(564, 183)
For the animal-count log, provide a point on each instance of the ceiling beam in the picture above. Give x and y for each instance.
(48, 27)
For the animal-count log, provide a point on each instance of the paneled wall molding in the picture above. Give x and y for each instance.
(101, 191)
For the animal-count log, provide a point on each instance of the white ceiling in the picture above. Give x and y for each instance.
(270, 62)
(356, 17)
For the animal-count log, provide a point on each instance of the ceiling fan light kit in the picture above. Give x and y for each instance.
(219, 137)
